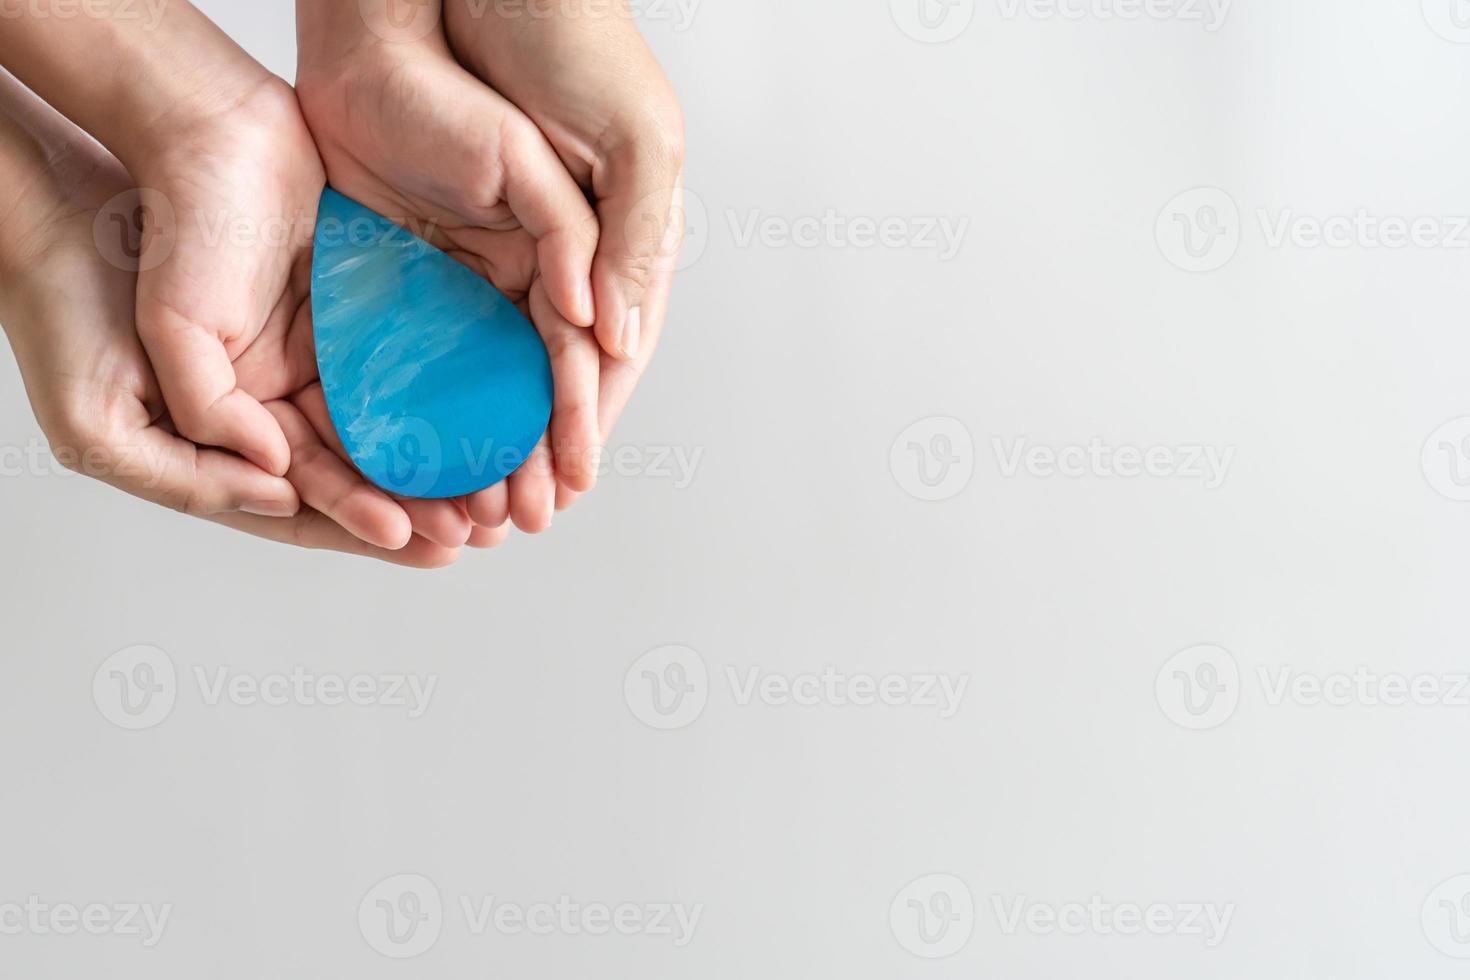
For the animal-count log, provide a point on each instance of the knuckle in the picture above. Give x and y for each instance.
(637, 265)
(188, 502)
(564, 342)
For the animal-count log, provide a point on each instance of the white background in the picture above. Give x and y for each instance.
(1073, 766)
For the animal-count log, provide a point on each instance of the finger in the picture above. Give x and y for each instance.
(329, 485)
(490, 507)
(165, 469)
(549, 204)
(619, 378)
(199, 387)
(533, 491)
(489, 537)
(443, 522)
(575, 365)
(635, 187)
(314, 530)
(565, 497)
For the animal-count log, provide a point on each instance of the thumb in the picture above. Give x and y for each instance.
(636, 194)
(162, 468)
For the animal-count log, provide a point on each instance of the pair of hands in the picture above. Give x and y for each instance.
(486, 146)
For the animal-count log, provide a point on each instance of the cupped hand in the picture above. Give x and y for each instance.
(405, 130)
(223, 312)
(69, 245)
(69, 315)
(585, 76)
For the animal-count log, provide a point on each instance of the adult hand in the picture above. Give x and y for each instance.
(69, 315)
(232, 181)
(407, 131)
(219, 144)
(585, 76)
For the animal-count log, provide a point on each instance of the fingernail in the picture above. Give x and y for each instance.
(268, 508)
(584, 301)
(632, 332)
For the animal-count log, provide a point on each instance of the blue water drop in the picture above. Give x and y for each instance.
(437, 384)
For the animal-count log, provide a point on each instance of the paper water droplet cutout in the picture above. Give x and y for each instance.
(437, 385)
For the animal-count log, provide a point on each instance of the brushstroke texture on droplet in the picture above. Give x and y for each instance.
(412, 343)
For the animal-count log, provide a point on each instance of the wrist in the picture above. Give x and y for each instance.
(134, 84)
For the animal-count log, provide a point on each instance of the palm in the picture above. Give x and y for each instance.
(223, 267)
